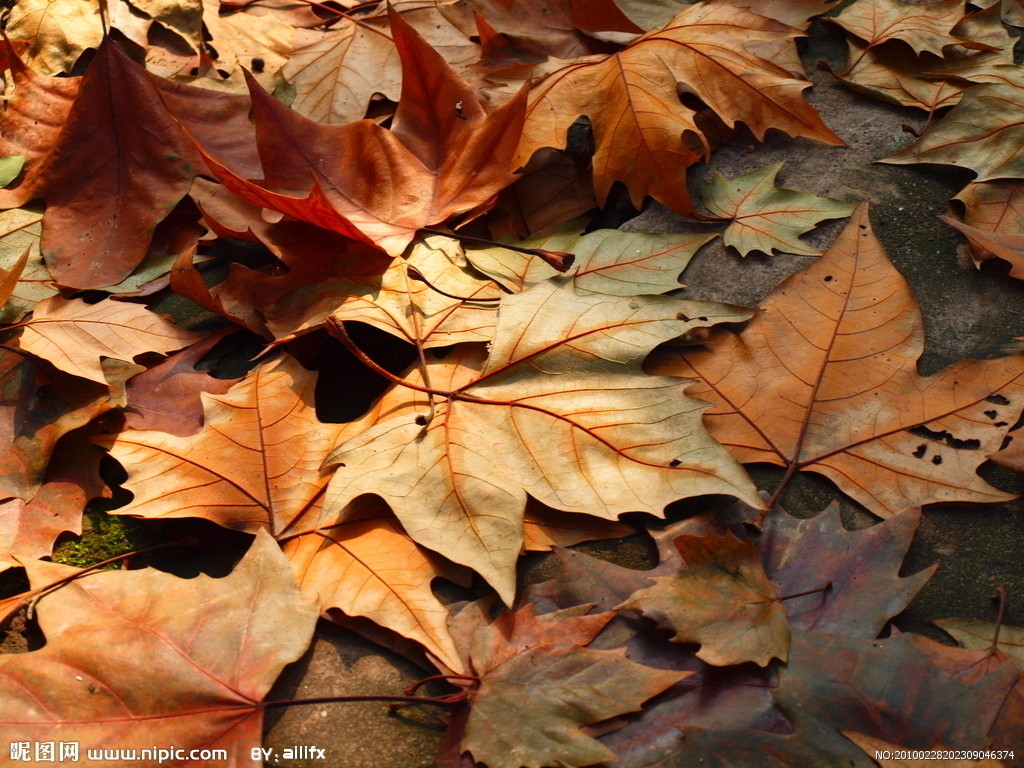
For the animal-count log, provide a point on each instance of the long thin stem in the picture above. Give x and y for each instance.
(827, 586)
(40, 593)
(1000, 595)
(438, 701)
(557, 259)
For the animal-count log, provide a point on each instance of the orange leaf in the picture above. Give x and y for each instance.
(641, 127)
(825, 379)
(194, 657)
(444, 156)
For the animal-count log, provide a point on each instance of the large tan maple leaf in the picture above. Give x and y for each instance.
(645, 136)
(558, 411)
(825, 379)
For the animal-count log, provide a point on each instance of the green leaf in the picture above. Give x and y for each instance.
(765, 217)
(10, 168)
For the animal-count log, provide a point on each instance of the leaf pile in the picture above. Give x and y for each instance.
(386, 212)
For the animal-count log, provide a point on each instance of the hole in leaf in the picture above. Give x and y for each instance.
(991, 414)
(421, 420)
(675, 463)
(258, 65)
(920, 452)
(828, 278)
(997, 400)
(936, 460)
(945, 437)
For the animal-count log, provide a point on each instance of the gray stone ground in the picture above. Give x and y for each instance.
(968, 313)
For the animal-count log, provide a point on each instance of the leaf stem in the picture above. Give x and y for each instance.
(435, 701)
(825, 587)
(417, 685)
(1000, 595)
(415, 274)
(337, 330)
(559, 260)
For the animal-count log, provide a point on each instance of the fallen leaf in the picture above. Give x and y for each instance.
(889, 690)
(38, 406)
(195, 657)
(548, 432)
(254, 464)
(925, 27)
(981, 133)
(368, 566)
(722, 600)
(19, 234)
(58, 31)
(993, 221)
(768, 218)
(980, 635)
(74, 335)
(542, 685)
(861, 568)
(825, 379)
(167, 396)
(439, 160)
(641, 127)
(607, 261)
(335, 75)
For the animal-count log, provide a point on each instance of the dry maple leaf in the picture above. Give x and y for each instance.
(20, 230)
(993, 221)
(142, 657)
(539, 681)
(607, 261)
(980, 657)
(767, 218)
(983, 132)
(98, 193)
(532, 420)
(894, 72)
(442, 156)
(639, 123)
(74, 335)
(825, 379)
(368, 566)
(889, 689)
(722, 600)
(254, 465)
(923, 26)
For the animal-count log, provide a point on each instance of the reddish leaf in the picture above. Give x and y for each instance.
(167, 396)
(888, 689)
(194, 659)
(443, 157)
(862, 567)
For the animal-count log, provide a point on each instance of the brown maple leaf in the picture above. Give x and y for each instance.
(195, 657)
(531, 420)
(442, 156)
(644, 136)
(825, 379)
(536, 677)
(722, 600)
(108, 181)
